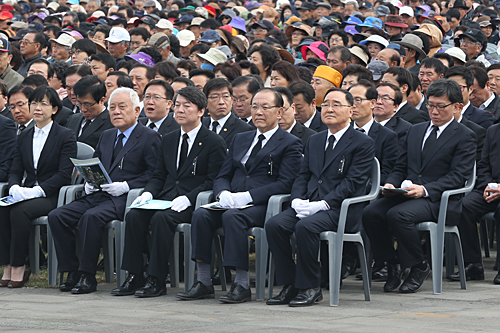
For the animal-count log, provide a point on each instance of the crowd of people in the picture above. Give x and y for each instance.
(248, 99)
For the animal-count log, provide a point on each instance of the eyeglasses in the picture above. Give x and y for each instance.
(440, 108)
(468, 42)
(24, 41)
(336, 40)
(18, 105)
(42, 103)
(359, 100)
(385, 98)
(265, 108)
(85, 106)
(259, 30)
(335, 106)
(241, 100)
(155, 98)
(216, 97)
(76, 52)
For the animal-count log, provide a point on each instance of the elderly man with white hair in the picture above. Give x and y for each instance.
(128, 153)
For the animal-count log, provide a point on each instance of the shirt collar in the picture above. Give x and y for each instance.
(400, 106)
(127, 131)
(337, 135)
(366, 126)
(192, 133)
(45, 130)
(465, 107)
(269, 133)
(488, 101)
(158, 123)
(309, 121)
(221, 121)
(421, 102)
(290, 129)
(442, 127)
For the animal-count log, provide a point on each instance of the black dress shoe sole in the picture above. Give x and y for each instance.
(276, 303)
(161, 293)
(64, 289)
(184, 298)
(123, 293)
(414, 291)
(83, 291)
(230, 301)
(467, 278)
(318, 299)
(388, 290)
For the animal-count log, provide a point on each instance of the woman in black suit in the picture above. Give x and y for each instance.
(43, 153)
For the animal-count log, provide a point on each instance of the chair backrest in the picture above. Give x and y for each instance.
(84, 151)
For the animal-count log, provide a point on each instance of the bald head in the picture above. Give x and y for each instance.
(390, 56)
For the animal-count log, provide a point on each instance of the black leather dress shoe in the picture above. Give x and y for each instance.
(198, 291)
(85, 285)
(237, 294)
(286, 294)
(473, 271)
(130, 286)
(152, 288)
(496, 280)
(307, 297)
(71, 280)
(379, 274)
(393, 277)
(415, 280)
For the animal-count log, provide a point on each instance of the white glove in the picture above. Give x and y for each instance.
(180, 203)
(142, 199)
(116, 189)
(296, 203)
(226, 199)
(16, 192)
(89, 188)
(310, 209)
(241, 199)
(35, 192)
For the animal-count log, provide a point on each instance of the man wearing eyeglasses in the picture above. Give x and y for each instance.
(244, 88)
(158, 97)
(259, 164)
(18, 102)
(472, 42)
(93, 118)
(31, 45)
(221, 120)
(437, 156)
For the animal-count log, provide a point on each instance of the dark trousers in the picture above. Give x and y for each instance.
(307, 273)
(235, 223)
(397, 216)
(15, 226)
(162, 224)
(473, 207)
(90, 214)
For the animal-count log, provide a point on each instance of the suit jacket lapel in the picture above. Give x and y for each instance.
(228, 126)
(29, 150)
(373, 133)
(131, 142)
(238, 155)
(343, 143)
(447, 134)
(49, 143)
(273, 142)
(195, 149)
(94, 126)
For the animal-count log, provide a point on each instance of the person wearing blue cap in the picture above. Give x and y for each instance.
(8, 76)
(211, 38)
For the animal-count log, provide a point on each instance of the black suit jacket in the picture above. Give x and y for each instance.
(317, 124)
(8, 141)
(93, 132)
(480, 134)
(54, 165)
(447, 165)
(167, 126)
(62, 116)
(134, 164)
(494, 108)
(6, 112)
(343, 175)
(487, 168)
(412, 114)
(272, 172)
(198, 172)
(400, 126)
(233, 126)
(67, 103)
(386, 148)
(302, 132)
(480, 117)
(423, 107)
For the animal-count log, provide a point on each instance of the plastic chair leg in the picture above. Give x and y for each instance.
(483, 227)
(270, 283)
(107, 246)
(364, 270)
(335, 266)
(51, 259)
(261, 250)
(189, 265)
(437, 263)
(34, 249)
(119, 243)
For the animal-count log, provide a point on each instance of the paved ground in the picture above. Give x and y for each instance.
(456, 310)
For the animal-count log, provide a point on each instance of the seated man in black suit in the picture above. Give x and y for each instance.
(259, 164)
(483, 199)
(188, 162)
(287, 120)
(336, 166)
(128, 153)
(386, 141)
(222, 121)
(74, 74)
(437, 156)
(482, 96)
(416, 98)
(465, 79)
(158, 97)
(388, 101)
(403, 79)
(19, 107)
(93, 118)
(244, 87)
(305, 106)
(8, 142)
(480, 132)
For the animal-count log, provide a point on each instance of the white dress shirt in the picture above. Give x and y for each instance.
(268, 136)
(383, 122)
(221, 122)
(309, 121)
(157, 124)
(465, 108)
(337, 136)
(366, 126)
(487, 102)
(191, 137)
(400, 106)
(438, 133)
(290, 129)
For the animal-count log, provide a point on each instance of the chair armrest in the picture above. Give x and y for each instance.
(72, 191)
(131, 196)
(204, 198)
(275, 205)
(4, 187)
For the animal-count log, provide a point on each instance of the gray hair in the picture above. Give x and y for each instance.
(352, 2)
(131, 93)
(97, 2)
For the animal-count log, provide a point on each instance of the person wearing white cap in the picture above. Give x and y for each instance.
(187, 40)
(118, 43)
(164, 26)
(61, 48)
(375, 44)
(407, 14)
(212, 58)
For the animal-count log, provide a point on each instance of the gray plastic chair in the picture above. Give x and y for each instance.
(437, 232)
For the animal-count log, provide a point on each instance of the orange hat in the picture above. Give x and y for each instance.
(329, 74)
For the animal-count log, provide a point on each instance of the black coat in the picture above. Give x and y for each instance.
(302, 132)
(92, 133)
(232, 126)
(412, 114)
(167, 126)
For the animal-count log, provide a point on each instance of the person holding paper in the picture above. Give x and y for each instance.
(128, 152)
(188, 162)
(437, 156)
(259, 164)
(43, 153)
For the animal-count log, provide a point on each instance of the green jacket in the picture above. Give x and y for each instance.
(11, 78)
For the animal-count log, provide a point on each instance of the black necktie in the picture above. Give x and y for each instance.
(244, 119)
(118, 147)
(184, 150)
(21, 129)
(329, 149)
(85, 126)
(431, 139)
(214, 126)
(255, 150)
(362, 130)
(152, 126)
